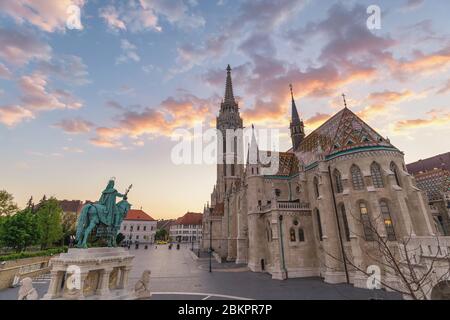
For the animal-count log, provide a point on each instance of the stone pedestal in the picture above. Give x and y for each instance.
(91, 274)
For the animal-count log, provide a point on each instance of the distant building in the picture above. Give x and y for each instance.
(139, 226)
(433, 177)
(71, 206)
(165, 224)
(187, 228)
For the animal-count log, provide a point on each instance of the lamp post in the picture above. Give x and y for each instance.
(210, 245)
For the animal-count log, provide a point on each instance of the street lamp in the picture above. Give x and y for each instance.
(210, 245)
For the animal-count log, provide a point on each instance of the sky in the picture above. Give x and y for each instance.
(82, 102)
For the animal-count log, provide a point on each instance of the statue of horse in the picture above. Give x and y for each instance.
(93, 215)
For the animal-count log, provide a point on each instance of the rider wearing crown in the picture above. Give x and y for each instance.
(108, 198)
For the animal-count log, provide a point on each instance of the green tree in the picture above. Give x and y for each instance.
(19, 231)
(68, 224)
(161, 234)
(7, 205)
(49, 222)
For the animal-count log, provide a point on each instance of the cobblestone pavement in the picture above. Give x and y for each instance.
(176, 275)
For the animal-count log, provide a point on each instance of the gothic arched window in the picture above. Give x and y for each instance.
(386, 214)
(301, 235)
(316, 187)
(292, 234)
(319, 225)
(345, 222)
(377, 177)
(357, 178)
(338, 181)
(394, 169)
(365, 220)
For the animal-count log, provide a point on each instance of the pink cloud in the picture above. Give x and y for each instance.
(12, 115)
(75, 126)
(47, 15)
(19, 47)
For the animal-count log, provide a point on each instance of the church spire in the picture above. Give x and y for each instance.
(229, 96)
(294, 116)
(345, 101)
(297, 126)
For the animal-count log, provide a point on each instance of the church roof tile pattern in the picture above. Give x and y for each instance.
(344, 131)
(441, 161)
(138, 215)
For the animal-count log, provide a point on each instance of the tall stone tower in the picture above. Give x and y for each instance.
(297, 127)
(230, 142)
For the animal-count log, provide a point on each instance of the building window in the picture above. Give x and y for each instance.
(131, 228)
(319, 225)
(316, 187)
(338, 181)
(386, 214)
(301, 235)
(145, 228)
(394, 169)
(357, 178)
(137, 237)
(345, 222)
(292, 234)
(138, 228)
(377, 177)
(124, 227)
(365, 220)
(277, 192)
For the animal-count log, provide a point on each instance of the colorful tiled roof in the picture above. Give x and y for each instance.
(344, 131)
(441, 161)
(190, 218)
(287, 163)
(138, 215)
(434, 182)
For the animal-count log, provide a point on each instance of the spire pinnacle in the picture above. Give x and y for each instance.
(229, 96)
(345, 102)
(294, 106)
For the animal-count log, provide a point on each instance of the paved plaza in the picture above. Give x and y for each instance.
(176, 275)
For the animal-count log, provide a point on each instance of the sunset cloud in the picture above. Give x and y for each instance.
(36, 97)
(46, 15)
(4, 71)
(19, 47)
(142, 15)
(435, 118)
(183, 111)
(12, 115)
(380, 102)
(74, 126)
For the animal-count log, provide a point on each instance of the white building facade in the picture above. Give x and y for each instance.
(187, 229)
(139, 227)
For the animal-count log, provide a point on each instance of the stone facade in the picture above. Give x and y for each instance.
(300, 221)
(433, 176)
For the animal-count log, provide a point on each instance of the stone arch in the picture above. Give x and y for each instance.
(394, 168)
